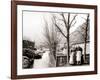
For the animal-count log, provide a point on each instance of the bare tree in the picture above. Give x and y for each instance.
(51, 37)
(68, 22)
(85, 34)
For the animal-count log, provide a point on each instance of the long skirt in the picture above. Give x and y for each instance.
(78, 56)
(72, 58)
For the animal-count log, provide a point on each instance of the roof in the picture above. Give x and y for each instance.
(77, 36)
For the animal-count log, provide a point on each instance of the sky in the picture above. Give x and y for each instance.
(33, 24)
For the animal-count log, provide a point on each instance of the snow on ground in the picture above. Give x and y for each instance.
(43, 62)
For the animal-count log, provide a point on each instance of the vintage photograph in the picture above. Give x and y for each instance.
(55, 39)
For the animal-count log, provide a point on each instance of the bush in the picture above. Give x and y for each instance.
(37, 56)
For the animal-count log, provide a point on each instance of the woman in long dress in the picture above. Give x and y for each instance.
(79, 55)
(71, 61)
(72, 56)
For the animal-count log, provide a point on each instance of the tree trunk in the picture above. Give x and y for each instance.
(68, 28)
(68, 48)
(84, 57)
(54, 50)
(55, 55)
(86, 29)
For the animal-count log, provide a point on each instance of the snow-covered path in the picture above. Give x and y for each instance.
(44, 62)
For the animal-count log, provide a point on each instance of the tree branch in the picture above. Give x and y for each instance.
(73, 24)
(60, 30)
(66, 24)
(58, 26)
(72, 20)
(81, 33)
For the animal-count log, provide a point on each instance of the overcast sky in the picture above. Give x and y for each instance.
(33, 23)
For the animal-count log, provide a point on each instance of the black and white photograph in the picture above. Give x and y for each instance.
(52, 39)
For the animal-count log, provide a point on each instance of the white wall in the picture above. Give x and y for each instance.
(5, 35)
(82, 46)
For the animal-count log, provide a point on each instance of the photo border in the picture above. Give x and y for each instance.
(14, 38)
